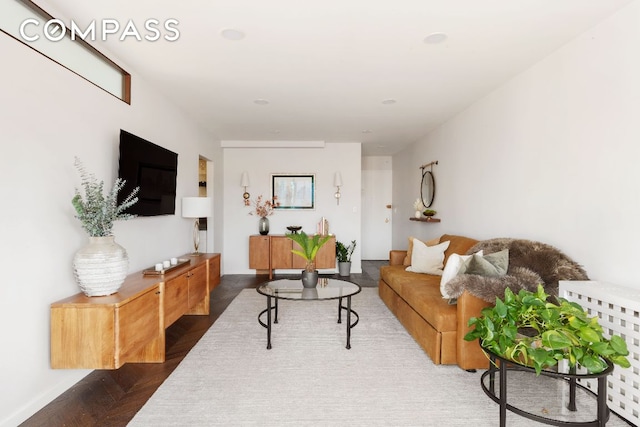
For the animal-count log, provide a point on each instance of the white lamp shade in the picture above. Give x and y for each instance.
(337, 180)
(244, 181)
(197, 207)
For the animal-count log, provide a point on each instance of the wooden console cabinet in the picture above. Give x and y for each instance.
(271, 252)
(128, 326)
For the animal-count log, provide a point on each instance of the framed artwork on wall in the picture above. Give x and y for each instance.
(294, 191)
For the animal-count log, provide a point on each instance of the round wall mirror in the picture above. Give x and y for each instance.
(427, 189)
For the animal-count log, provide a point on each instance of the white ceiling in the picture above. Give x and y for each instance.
(326, 66)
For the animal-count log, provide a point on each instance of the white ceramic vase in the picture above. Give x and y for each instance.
(101, 266)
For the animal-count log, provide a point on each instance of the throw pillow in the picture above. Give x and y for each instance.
(427, 259)
(495, 264)
(407, 259)
(453, 267)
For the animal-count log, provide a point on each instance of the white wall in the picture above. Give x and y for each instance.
(550, 156)
(48, 116)
(344, 219)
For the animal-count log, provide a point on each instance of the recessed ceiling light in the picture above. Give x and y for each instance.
(367, 131)
(435, 38)
(260, 102)
(232, 34)
(389, 101)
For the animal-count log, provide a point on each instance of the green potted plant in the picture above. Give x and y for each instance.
(343, 253)
(309, 246)
(529, 329)
(101, 266)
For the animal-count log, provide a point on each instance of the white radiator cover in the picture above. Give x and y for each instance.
(618, 310)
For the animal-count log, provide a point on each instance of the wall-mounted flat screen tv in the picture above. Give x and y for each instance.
(152, 168)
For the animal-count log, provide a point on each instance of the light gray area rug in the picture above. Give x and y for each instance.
(309, 378)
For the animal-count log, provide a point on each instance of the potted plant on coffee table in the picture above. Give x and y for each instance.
(309, 246)
(343, 253)
(528, 329)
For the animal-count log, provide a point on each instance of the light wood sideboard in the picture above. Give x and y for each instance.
(271, 252)
(129, 326)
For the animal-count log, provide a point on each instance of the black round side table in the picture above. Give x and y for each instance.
(503, 366)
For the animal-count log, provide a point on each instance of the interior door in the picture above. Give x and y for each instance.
(376, 214)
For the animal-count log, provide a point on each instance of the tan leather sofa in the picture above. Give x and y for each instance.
(436, 325)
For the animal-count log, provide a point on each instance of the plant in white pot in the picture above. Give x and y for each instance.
(343, 253)
(100, 267)
(309, 246)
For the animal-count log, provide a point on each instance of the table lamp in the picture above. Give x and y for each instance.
(196, 207)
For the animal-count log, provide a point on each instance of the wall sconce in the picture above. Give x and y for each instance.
(196, 207)
(244, 182)
(337, 182)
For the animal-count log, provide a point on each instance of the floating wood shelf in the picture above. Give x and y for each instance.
(426, 219)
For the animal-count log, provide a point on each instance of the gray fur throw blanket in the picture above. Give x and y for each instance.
(530, 263)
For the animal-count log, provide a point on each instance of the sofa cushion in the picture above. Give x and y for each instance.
(422, 293)
(397, 277)
(458, 245)
(427, 259)
(432, 242)
(427, 301)
(495, 264)
(455, 265)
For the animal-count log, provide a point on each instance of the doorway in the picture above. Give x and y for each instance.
(376, 208)
(205, 189)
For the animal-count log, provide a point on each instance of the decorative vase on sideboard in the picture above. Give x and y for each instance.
(101, 266)
(263, 225)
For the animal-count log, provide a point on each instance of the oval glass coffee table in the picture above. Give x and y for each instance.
(291, 289)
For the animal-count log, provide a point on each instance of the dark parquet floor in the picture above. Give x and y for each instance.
(108, 398)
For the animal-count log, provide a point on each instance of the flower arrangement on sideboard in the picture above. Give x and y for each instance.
(264, 208)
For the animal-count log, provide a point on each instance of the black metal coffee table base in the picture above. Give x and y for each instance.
(274, 308)
(503, 366)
